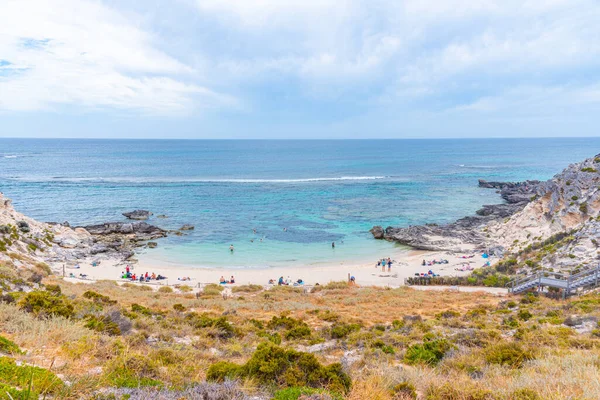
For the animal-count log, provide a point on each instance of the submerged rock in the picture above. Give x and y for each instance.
(187, 227)
(138, 215)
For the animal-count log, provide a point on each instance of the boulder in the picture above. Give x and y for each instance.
(187, 227)
(68, 243)
(140, 215)
(152, 245)
(378, 232)
(99, 248)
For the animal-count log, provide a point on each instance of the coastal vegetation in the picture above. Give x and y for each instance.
(107, 341)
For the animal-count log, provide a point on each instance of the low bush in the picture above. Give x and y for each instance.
(102, 324)
(296, 393)
(340, 331)
(298, 332)
(449, 391)
(430, 352)
(165, 289)
(508, 354)
(525, 394)
(38, 381)
(98, 298)
(8, 346)
(132, 371)
(247, 288)
(222, 328)
(387, 349)
(46, 303)
(271, 364)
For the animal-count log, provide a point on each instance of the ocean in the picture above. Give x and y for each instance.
(278, 202)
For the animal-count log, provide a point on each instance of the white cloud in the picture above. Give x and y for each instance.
(70, 52)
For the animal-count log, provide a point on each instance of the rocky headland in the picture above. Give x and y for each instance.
(567, 205)
(25, 240)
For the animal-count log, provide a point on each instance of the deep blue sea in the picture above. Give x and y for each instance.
(299, 195)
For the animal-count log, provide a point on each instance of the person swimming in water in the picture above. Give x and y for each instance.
(333, 245)
(231, 248)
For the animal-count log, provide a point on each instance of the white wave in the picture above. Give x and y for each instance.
(11, 156)
(194, 180)
(478, 166)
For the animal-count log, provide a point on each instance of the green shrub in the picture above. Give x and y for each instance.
(44, 303)
(509, 354)
(222, 370)
(340, 331)
(247, 288)
(589, 169)
(525, 394)
(179, 307)
(141, 309)
(165, 289)
(449, 391)
(132, 371)
(387, 349)
(294, 393)
(102, 324)
(271, 364)
(298, 332)
(222, 328)
(431, 351)
(524, 315)
(39, 380)
(98, 298)
(8, 346)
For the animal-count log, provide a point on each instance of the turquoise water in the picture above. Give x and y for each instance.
(299, 195)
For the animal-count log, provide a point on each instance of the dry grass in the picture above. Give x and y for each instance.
(163, 345)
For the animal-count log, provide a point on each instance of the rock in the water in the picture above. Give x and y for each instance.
(162, 216)
(152, 245)
(138, 214)
(378, 232)
(141, 230)
(187, 227)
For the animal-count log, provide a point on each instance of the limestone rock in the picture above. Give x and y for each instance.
(138, 215)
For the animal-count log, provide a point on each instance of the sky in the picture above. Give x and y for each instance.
(299, 68)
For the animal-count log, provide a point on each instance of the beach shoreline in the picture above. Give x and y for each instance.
(407, 264)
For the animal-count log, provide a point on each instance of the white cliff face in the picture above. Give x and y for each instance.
(37, 241)
(571, 203)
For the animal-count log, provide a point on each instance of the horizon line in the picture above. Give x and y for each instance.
(301, 139)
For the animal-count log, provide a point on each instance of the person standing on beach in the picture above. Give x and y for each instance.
(389, 263)
(383, 262)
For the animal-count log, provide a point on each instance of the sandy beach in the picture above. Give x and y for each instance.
(407, 264)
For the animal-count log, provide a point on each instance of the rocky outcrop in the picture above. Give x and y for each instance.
(140, 215)
(532, 212)
(187, 227)
(137, 231)
(56, 243)
(378, 232)
(466, 233)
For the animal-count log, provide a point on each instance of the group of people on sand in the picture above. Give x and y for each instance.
(434, 262)
(142, 277)
(383, 263)
(224, 281)
(286, 282)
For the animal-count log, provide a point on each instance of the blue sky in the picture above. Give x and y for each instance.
(299, 68)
